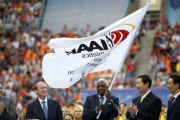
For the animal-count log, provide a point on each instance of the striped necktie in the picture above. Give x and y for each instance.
(101, 99)
(172, 101)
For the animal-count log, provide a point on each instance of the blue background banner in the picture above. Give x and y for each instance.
(175, 3)
(127, 95)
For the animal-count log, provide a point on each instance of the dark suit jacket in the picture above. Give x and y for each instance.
(10, 112)
(174, 111)
(35, 110)
(109, 112)
(149, 109)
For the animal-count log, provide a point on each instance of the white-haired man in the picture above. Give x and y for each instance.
(43, 108)
(93, 104)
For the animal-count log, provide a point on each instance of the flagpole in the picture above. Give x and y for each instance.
(115, 76)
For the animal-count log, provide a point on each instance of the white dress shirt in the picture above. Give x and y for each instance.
(146, 94)
(175, 96)
(40, 100)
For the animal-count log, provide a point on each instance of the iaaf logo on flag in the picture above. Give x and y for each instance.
(108, 41)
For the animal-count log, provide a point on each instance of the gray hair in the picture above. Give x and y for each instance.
(104, 80)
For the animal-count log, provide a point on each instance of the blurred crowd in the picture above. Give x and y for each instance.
(22, 47)
(165, 57)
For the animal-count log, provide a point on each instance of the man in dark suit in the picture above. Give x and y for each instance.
(94, 104)
(43, 108)
(147, 106)
(7, 107)
(173, 85)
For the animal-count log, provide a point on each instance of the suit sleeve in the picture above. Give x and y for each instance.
(155, 110)
(29, 113)
(88, 113)
(113, 108)
(59, 112)
(10, 113)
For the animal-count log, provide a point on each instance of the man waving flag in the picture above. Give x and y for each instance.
(74, 58)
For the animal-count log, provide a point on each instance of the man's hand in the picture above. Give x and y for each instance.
(132, 109)
(1, 107)
(108, 95)
(100, 107)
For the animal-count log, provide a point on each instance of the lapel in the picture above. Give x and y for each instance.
(2, 99)
(138, 100)
(39, 107)
(144, 100)
(50, 105)
(5, 101)
(174, 104)
(97, 100)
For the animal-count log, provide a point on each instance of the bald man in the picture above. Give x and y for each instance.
(93, 104)
(43, 108)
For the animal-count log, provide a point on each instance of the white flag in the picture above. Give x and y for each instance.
(74, 58)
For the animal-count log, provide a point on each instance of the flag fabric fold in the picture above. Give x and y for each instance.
(74, 58)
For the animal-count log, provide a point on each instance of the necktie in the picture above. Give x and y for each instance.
(172, 101)
(45, 109)
(142, 99)
(101, 99)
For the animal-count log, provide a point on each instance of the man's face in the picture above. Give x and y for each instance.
(141, 87)
(101, 88)
(1, 90)
(41, 90)
(171, 86)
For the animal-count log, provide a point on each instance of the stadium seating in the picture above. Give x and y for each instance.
(79, 13)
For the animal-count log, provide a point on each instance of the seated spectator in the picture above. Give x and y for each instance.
(78, 112)
(164, 115)
(68, 116)
(78, 102)
(124, 114)
(163, 110)
(123, 111)
(65, 110)
(177, 26)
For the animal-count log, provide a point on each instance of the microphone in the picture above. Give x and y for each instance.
(35, 108)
